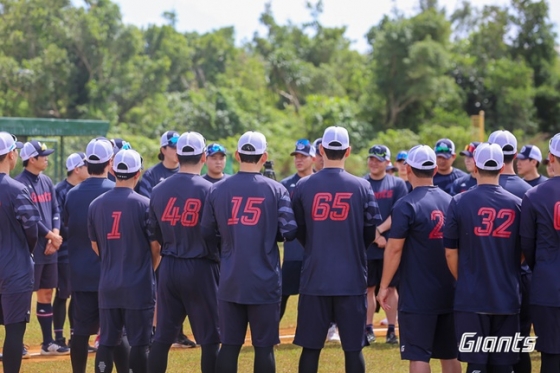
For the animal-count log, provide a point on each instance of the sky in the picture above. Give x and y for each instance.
(358, 15)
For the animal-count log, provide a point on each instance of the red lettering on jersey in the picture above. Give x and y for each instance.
(436, 233)
(251, 213)
(41, 198)
(115, 234)
(383, 194)
(489, 216)
(323, 209)
(557, 216)
(188, 218)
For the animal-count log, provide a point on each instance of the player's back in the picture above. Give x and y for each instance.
(487, 218)
(334, 206)
(249, 211)
(177, 204)
(118, 222)
(514, 184)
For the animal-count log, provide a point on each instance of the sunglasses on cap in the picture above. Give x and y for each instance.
(378, 151)
(14, 145)
(303, 142)
(443, 148)
(470, 148)
(215, 148)
(173, 141)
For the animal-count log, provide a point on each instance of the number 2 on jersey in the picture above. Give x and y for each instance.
(251, 213)
(436, 233)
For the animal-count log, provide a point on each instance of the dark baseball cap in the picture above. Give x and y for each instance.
(444, 148)
(169, 138)
(530, 152)
(215, 149)
(469, 149)
(34, 148)
(402, 156)
(381, 152)
(304, 147)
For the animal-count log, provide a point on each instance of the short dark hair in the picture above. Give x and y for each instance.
(488, 173)
(160, 155)
(508, 158)
(96, 169)
(189, 159)
(423, 174)
(334, 155)
(3, 156)
(125, 175)
(538, 163)
(68, 173)
(250, 158)
(26, 162)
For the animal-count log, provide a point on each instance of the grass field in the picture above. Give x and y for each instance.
(379, 357)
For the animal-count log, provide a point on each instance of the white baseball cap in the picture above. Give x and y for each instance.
(169, 138)
(505, 139)
(191, 143)
(75, 160)
(554, 145)
(34, 148)
(489, 156)
(252, 143)
(530, 152)
(99, 150)
(8, 143)
(336, 138)
(127, 161)
(421, 157)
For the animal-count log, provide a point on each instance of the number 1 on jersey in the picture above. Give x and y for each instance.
(251, 213)
(115, 234)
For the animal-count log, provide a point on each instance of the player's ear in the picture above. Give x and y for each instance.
(348, 151)
(551, 158)
(264, 157)
(502, 169)
(435, 171)
(203, 158)
(237, 156)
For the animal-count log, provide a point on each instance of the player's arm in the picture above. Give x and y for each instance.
(380, 240)
(299, 216)
(391, 262)
(155, 246)
(372, 217)
(27, 214)
(55, 213)
(528, 233)
(95, 247)
(451, 239)
(156, 257)
(145, 185)
(452, 258)
(287, 226)
(208, 223)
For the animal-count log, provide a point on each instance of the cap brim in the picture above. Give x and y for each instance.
(522, 156)
(379, 158)
(46, 152)
(19, 145)
(300, 152)
(444, 155)
(466, 153)
(218, 152)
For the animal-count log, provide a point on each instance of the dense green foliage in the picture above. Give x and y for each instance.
(422, 79)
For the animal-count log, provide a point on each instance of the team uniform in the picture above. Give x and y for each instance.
(336, 215)
(387, 192)
(189, 269)
(540, 237)
(84, 263)
(43, 194)
(118, 223)
(250, 212)
(63, 288)
(539, 180)
(152, 177)
(445, 182)
(483, 224)
(293, 251)
(213, 180)
(515, 185)
(426, 286)
(462, 184)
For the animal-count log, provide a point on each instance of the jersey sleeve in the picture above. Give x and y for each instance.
(145, 185)
(208, 224)
(25, 210)
(287, 225)
(451, 228)
(400, 190)
(528, 233)
(150, 232)
(55, 208)
(91, 223)
(401, 218)
(372, 216)
(299, 214)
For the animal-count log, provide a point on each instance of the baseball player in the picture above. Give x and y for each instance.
(401, 168)
(416, 245)
(118, 227)
(250, 212)
(215, 163)
(19, 219)
(528, 162)
(336, 215)
(468, 181)
(35, 157)
(388, 190)
(483, 254)
(84, 264)
(76, 172)
(304, 158)
(540, 238)
(446, 174)
(118, 144)
(189, 269)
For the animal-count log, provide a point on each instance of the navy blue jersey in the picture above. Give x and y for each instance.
(483, 224)
(175, 209)
(293, 251)
(84, 263)
(152, 177)
(408, 186)
(249, 210)
(18, 214)
(540, 237)
(514, 184)
(462, 184)
(43, 194)
(539, 180)
(62, 189)
(214, 181)
(333, 210)
(445, 182)
(387, 192)
(426, 285)
(118, 221)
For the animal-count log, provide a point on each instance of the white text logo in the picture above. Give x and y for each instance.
(471, 343)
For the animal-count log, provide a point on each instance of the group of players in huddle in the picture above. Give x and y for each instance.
(456, 254)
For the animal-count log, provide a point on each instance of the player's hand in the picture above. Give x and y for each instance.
(50, 249)
(381, 242)
(56, 240)
(382, 298)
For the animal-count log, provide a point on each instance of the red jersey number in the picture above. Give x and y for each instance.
(251, 213)
(115, 233)
(436, 233)
(557, 216)
(489, 216)
(188, 218)
(328, 206)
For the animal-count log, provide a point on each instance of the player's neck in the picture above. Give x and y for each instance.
(445, 172)
(508, 169)
(531, 175)
(250, 167)
(327, 163)
(5, 167)
(488, 180)
(378, 176)
(33, 170)
(130, 183)
(73, 179)
(215, 175)
(169, 164)
(305, 173)
(190, 169)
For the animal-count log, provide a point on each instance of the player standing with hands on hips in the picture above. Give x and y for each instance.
(251, 213)
(336, 214)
